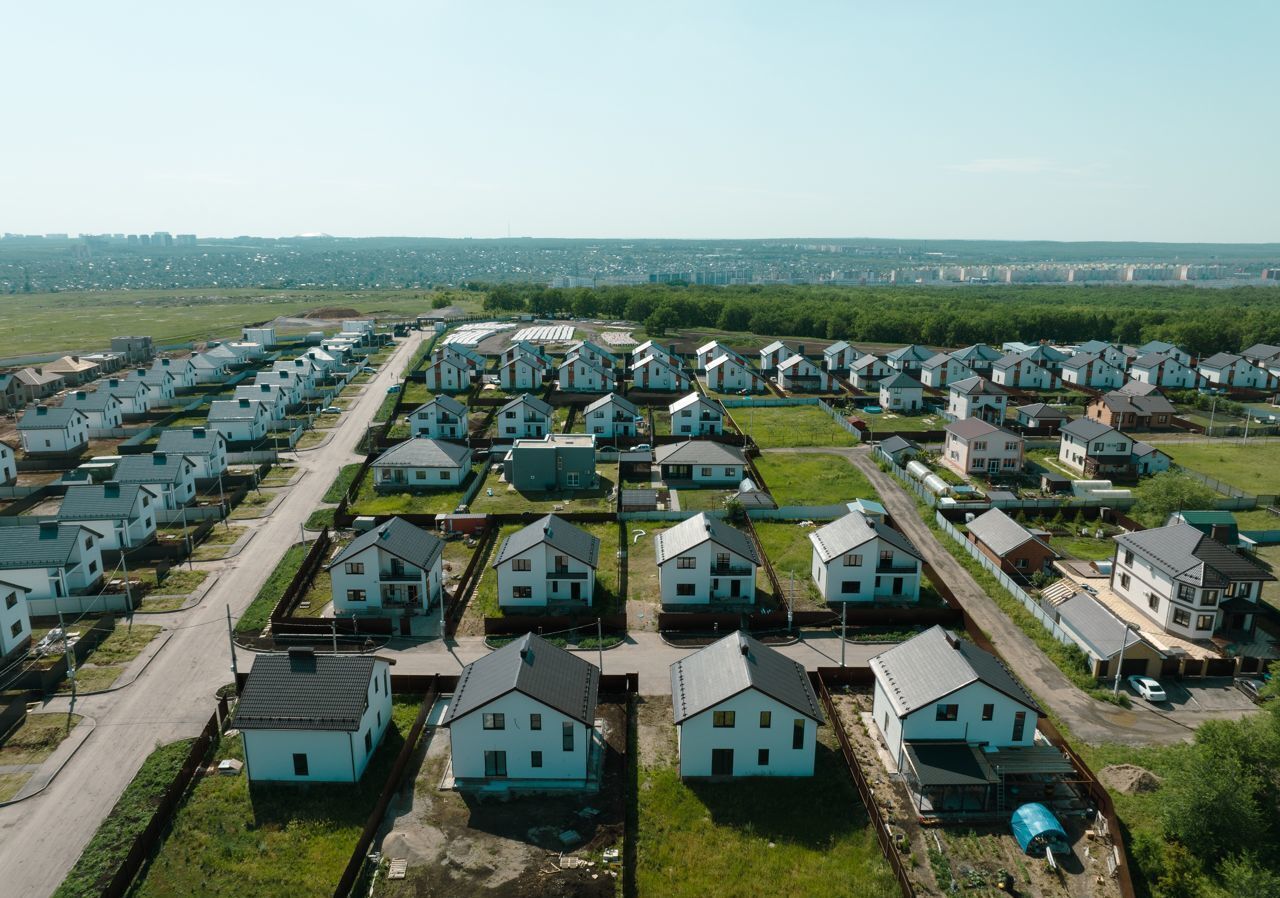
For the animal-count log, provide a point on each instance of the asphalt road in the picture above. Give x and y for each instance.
(41, 838)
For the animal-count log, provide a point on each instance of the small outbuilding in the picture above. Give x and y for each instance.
(1036, 829)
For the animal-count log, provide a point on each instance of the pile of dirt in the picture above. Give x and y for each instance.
(1128, 778)
(333, 313)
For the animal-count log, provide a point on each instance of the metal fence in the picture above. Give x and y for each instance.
(1225, 488)
(840, 420)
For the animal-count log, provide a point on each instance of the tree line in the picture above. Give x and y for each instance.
(1202, 321)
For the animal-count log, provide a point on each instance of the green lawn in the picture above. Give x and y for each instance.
(1086, 548)
(790, 552)
(1257, 519)
(233, 839)
(255, 617)
(179, 581)
(124, 644)
(802, 479)
(892, 422)
(216, 544)
(703, 499)
(35, 739)
(1253, 467)
(341, 483)
(796, 425)
(507, 501)
(320, 518)
(111, 843)
(369, 501)
(783, 836)
(252, 505)
(415, 394)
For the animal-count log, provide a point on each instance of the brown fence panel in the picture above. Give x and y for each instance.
(301, 581)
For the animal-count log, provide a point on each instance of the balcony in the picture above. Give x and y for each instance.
(565, 574)
(732, 570)
(896, 568)
(414, 577)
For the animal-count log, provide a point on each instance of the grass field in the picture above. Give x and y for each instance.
(33, 741)
(216, 544)
(1086, 548)
(780, 836)
(369, 501)
(1253, 467)
(795, 425)
(506, 500)
(231, 838)
(790, 552)
(1257, 519)
(702, 499)
(259, 611)
(891, 422)
(109, 845)
(819, 479)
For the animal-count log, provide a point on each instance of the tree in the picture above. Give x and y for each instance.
(1168, 492)
(1182, 876)
(1244, 874)
(440, 302)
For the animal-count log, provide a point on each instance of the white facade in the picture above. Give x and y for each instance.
(839, 357)
(868, 370)
(988, 453)
(542, 574)
(705, 574)
(8, 465)
(774, 355)
(136, 529)
(207, 450)
(15, 618)
(107, 414)
(134, 395)
(1093, 372)
(70, 435)
(374, 581)
(709, 352)
(897, 396)
(577, 373)
(1164, 371)
(81, 571)
(611, 418)
(655, 373)
(696, 416)
(286, 382)
(727, 375)
(1024, 374)
(875, 571)
(1225, 370)
(521, 373)
(436, 422)
(1074, 451)
(265, 336)
(973, 705)
(448, 375)
(942, 370)
(273, 396)
(797, 374)
(239, 421)
(987, 406)
(530, 749)
(183, 371)
(766, 738)
(523, 420)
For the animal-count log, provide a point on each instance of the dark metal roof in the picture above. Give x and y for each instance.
(1087, 429)
(698, 452)
(305, 691)
(37, 545)
(397, 537)
(1184, 552)
(190, 441)
(1042, 410)
(1095, 625)
(613, 398)
(902, 381)
(1124, 401)
(698, 529)
(101, 501)
(420, 452)
(732, 665)
(533, 402)
(555, 532)
(853, 530)
(978, 386)
(896, 444)
(43, 417)
(639, 499)
(448, 403)
(948, 764)
(533, 667)
(158, 467)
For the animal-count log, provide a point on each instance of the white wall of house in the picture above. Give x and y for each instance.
(697, 420)
(137, 529)
(519, 374)
(840, 360)
(1193, 614)
(469, 741)
(433, 422)
(698, 585)
(747, 738)
(1072, 451)
(445, 376)
(15, 619)
(419, 478)
(987, 407)
(369, 583)
(8, 465)
(1097, 374)
(529, 579)
(1026, 374)
(82, 571)
(609, 421)
(653, 374)
(998, 453)
(904, 399)
(948, 372)
(862, 575)
(50, 440)
(579, 375)
(730, 376)
(717, 475)
(521, 423)
(1239, 373)
(969, 726)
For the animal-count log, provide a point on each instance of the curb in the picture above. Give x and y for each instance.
(267, 509)
(320, 445)
(93, 726)
(193, 598)
(236, 548)
(116, 687)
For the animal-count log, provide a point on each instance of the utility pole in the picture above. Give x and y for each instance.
(1115, 687)
(1213, 407)
(844, 607)
(231, 639)
(71, 665)
(186, 534)
(600, 644)
(222, 503)
(333, 629)
(128, 594)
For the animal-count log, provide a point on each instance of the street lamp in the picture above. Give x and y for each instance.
(1124, 639)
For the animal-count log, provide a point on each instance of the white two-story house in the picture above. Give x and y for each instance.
(549, 561)
(204, 447)
(857, 559)
(582, 374)
(1161, 370)
(977, 397)
(1085, 369)
(45, 430)
(796, 374)
(124, 515)
(525, 417)
(695, 415)
(974, 447)
(726, 374)
(523, 371)
(774, 355)
(941, 369)
(439, 418)
(658, 374)
(395, 568)
(1095, 449)
(611, 416)
(239, 420)
(170, 476)
(102, 410)
(50, 560)
(704, 561)
(839, 357)
(868, 370)
(1225, 369)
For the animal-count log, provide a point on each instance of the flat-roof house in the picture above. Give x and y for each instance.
(393, 569)
(523, 417)
(439, 418)
(310, 718)
(774, 355)
(796, 374)
(1188, 583)
(657, 373)
(867, 371)
(1120, 409)
(975, 447)
(977, 397)
(421, 464)
(239, 420)
(581, 373)
(944, 707)
(101, 409)
(1015, 549)
(525, 712)
(1041, 416)
(1164, 371)
(901, 393)
(548, 561)
(726, 374)
(207, 449)
(742, 708)
(558, 461)
(1094, 449)
(124, 515)
(860, 559)
(941, 369)
(53, 431)
(839, 357)
(701, 462)
(611, 416)
(696, 415)
(1224, 369)
(704, 560)
(134, 348)
(169, 475)
(265, 336)
(50, 560)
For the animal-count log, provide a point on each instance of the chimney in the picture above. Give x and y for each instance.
(198, 433)
(159, 458)
(81, 394)
(384, 532)
(301, 655)
(114, 382)
(42, 410)
(744, 648)
(48, 529)
(244, 403)
(1221, 533)
(111, 489)
(526, 655)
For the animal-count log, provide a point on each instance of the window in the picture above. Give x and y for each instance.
(988, 712)
(419, 474)
(495, 763)
(722, 762)
(1182, 617)
(706, 472)
(686, 562)
(684, 589)
(495, 721)
(522, 564)
(1019, 724)
(724, 718)
(368, 741)
(535, 759)
(16, 629)
(1124, 581)
(535, 721)
(522, 592)
(1243, 590)
(850, 587)
(762, 757)
(10, 600)
(566, 736)
(947, 712)
(571, 479)
(1204, 621)
(730, 472)
(1186, 593)
(1209, 597)
(444, 475)
(1153, 601)
(88, 542)
(766, 719)
(386, 685)
(376, 687)
(1010, 463)
(979, 446)
(300, 767)
(379, 714)
(93, 567)
(886, 557)
(853, 561)
(797, 733)
(355, 595)
(1020, 562)
(562, 562)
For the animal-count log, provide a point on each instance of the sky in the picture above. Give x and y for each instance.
(1022, 120)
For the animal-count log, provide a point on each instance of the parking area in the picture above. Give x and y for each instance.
(1211, 694)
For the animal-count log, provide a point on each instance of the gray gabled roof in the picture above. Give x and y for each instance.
(1001, 533)
(695, 399)
(1082, 359)
(977, 351)
(1220, 360)
(94, 401)
(532, 667)
(533, 402)
(155, 467)
(934, 664)
(969, 428)
(190, 441)
(420, 452)
(978, 386)
(902, 382)
(305, 691)
(44, 417)
(1086, 429)
(896, 444)
(1042, 410)
(698, 452)
(1124, 401)
(914, 351)
(732, 665)
(836, 348)
(853, 530)
(37, 545)
(409, 543)
(1185, 553)
(866, 361)
(235, 410)
(1095, 625)
(625, 404)
(101, 501)
(698, 529)
(449, 404)
(555, 532)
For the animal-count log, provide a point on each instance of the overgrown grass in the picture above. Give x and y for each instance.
(341, 483)
(255, 617)
(1253, 467)
(506, 500)
(109, 845)
(124, 644)
(795, 425)
(320, 518)
(819, 479)
(36, 738)
(371, 502)
(233, 838)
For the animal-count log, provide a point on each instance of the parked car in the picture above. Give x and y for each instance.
(367, 370)
(1147, 688)
(331, 410)
(393, 389)
(642, 447)
(1252, 688)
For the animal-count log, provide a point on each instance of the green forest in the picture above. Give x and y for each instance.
(1203, 321)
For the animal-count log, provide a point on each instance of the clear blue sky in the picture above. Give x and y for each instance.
(1019, 120)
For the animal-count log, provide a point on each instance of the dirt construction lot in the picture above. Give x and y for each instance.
(505, 848)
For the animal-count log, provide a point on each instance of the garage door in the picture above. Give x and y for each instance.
(1133, 666)
(1219, 667)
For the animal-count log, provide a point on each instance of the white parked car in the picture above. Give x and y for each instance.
(1148, 688)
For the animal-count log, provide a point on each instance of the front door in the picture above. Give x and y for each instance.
(413, 595)
(495, 763)
(897, 586)
(575, 590)
(735, 588)
(722, 762)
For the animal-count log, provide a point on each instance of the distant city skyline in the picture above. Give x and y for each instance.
(1005, 121)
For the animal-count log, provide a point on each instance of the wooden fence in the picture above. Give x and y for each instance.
(301, 581)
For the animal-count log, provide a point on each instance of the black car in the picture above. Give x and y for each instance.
(1253, 689)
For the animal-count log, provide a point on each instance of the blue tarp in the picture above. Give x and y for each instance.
(1034, 826)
